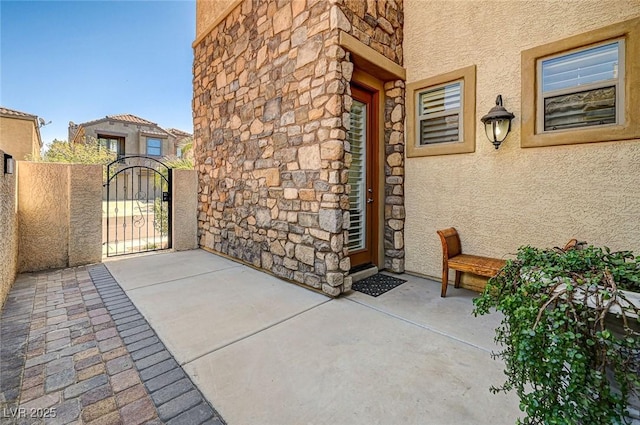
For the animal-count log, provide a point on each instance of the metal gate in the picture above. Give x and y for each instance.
(136, 203)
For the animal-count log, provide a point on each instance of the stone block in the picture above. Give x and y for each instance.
(271, 176)
(320, 234)
(312, 280)
(263, 217)
(290, 193)
(331, 220)
(308, 219)
(396, 224)
(395, 159)
(398, 240)
(346, 286)
(337, 20)
(335, 279)
(397, 114)
(332, 150)
(282, 19)
(332, 261)
(305, 254)
(309, 51)
(330, 290)
(309, 157)
(345, 264)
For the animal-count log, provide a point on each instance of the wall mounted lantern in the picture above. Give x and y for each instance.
(9, 164)
(497, 123)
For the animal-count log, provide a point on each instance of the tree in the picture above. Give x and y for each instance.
(77, 153)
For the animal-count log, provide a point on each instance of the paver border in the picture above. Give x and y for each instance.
(176, 398)
(15, 324)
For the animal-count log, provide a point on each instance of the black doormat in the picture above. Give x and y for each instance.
(377, 284)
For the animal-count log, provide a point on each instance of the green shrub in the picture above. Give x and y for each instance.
(560, 353)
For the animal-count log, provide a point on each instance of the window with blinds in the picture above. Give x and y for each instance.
(357, 138)
(582, 88)
(439, 113)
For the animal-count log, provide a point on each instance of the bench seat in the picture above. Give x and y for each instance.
(483, 266)
(453, 258)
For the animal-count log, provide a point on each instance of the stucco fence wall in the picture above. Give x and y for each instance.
(8, 231)
(59, 215)
(502, 199)
(55, 220)
(184, 231)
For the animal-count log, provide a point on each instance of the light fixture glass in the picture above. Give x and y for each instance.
(497, 123)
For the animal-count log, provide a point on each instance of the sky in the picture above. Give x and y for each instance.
(82, 60)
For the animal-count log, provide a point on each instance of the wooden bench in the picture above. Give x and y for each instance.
(453, 258)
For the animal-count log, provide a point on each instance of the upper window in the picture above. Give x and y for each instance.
(578, 90)
(113, 143)
(441, 113)
(154, 146)
(581, 89)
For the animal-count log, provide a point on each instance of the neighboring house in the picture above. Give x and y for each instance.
(182, 140)
(19, 134)
(128, 134)
(301, 108)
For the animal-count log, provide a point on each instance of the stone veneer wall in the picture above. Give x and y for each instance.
(379, 25)
(394, 212)
(271, 100)
(8, 231)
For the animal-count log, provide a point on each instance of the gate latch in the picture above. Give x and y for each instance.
(166, 197)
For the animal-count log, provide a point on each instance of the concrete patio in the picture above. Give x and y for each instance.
(262, 350)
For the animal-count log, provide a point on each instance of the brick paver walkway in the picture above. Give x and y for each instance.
(73, 346)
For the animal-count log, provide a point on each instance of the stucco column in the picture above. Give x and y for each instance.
(184, 209)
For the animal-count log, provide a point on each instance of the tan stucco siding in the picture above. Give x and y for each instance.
(500, 200)
(59, 215)
(43, 216)
(185, 209)
(210, 11)
(8, 231)
(85, 214)
(19, 137)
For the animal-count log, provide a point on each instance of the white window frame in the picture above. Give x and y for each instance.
(618, 83)
(460, 112)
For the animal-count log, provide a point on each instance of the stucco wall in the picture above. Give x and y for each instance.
(19, 138)
(185, 210)
(135, 138)
(59, 215)
(208, 11)
(85, 214)
(8, 231)
(499, 200)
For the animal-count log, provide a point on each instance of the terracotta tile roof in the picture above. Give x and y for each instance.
(14, 113)
(179, 134)
(128, 118)
(131, 118)
(154, 133)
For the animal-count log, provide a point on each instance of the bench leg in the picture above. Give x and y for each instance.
(458, 275)
(445, 281)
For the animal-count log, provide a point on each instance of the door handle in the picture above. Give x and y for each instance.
(369, 200)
